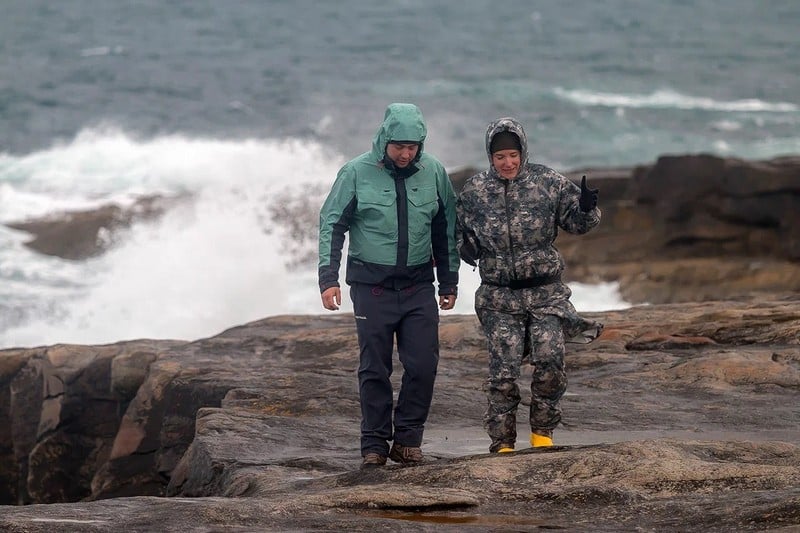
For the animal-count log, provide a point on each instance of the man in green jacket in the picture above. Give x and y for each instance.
(398, 205)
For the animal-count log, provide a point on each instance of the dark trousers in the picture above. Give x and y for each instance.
(412, 317)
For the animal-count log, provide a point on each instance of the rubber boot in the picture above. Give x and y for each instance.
(505, 449)
(540, 441)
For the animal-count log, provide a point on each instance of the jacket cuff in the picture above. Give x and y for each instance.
(447, 291)
(325, 286)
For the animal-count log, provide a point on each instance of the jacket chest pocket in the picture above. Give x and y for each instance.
(423, 204)
(377, 212)
(421, 196)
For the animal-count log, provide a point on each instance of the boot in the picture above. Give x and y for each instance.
(372, 460)
(540, 441)
(405, 454)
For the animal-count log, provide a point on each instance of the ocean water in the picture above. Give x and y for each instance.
(249, 108)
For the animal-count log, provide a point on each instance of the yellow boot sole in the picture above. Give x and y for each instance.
(540, 441)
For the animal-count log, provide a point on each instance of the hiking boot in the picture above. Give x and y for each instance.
(541, 441)
(405, 454)
(372, 460)
(502, 447)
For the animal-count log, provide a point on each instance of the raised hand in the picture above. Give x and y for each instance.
(588, 199)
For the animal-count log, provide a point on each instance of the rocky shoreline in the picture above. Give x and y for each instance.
(682, 416)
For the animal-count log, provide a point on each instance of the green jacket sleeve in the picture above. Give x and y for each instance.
(443, 236)
(334, 222)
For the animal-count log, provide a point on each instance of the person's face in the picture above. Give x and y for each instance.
(506, 162)
(402, 153)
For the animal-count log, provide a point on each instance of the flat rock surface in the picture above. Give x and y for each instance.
(678, 418)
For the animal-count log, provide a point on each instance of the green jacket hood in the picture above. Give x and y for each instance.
(401, 122)
(512, 125)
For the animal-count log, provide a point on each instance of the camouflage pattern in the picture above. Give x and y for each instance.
(509, 227)
(512, 339)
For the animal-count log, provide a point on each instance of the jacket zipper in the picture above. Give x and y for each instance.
(508, 228)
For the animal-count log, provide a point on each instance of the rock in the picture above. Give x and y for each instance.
(459, 175)
(61, 417)
(692, 228)
(680, 416)
(80, 235)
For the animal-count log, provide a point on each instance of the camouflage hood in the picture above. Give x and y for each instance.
(401, 122)
(511, 125)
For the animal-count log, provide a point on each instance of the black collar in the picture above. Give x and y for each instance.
(397, 172)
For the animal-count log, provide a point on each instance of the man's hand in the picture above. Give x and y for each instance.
(332, 298)
(588, 199)
(447, 301)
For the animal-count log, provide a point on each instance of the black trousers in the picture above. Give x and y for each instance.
(411, 316)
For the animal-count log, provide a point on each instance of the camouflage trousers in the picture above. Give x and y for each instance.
(512, 339)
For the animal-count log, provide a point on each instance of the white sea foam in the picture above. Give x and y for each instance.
(762, 149)
(210, 263)
(99, 51)
(667, 98)
(726, 125)
(218, 260)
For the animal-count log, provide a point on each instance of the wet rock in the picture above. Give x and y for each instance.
(693, 228)
(680, 417)
(78, 235)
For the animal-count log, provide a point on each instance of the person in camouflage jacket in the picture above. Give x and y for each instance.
(508, 220)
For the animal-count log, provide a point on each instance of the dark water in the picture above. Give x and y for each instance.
(248, 104)
(612, 82)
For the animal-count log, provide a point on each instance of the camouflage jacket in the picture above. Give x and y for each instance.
(510, 225)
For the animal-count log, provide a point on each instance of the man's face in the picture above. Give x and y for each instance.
(402, 153)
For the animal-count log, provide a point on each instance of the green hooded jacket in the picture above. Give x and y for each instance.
(401, 222)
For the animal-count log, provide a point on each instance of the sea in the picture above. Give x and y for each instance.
(247, 109)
